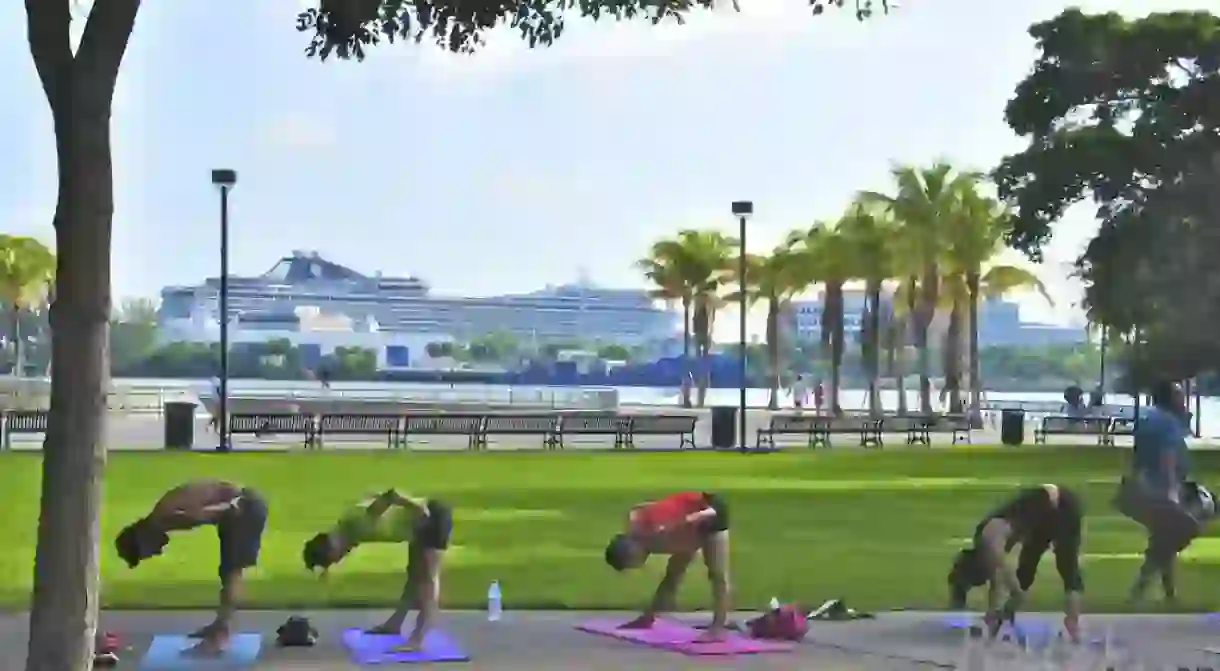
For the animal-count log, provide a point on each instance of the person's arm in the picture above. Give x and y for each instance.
(390, 498)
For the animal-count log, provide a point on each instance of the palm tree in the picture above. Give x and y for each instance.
(663, 268)
(924, 200)
(775, 279)
(974, 235)
(697, 263)
(826, 257)
(27, 268)
(870, 231)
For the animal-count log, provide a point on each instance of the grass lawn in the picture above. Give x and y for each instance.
(875, 527)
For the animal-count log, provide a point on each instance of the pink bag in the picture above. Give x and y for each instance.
(786, 623)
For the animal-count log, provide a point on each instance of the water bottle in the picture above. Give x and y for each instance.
(494, 607)
(774, 603)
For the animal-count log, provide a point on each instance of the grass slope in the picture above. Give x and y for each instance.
(875, 527)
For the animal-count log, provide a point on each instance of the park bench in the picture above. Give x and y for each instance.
(1119, 427)
(682, 426)
(591, 424)
(266, 424)
(867, 428)
(442, 424)
(789, 425)
(360, 424)
(1057, 425)
(922, 428)
(544, 425)
(23, 422)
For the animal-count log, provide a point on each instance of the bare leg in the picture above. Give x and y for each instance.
(716, 556)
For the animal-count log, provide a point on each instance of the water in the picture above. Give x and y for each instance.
(849, 399)
(494, 606)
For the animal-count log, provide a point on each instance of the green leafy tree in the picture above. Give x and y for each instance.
(772, 279)
(79, 86)
(27, 270)
(1126, 112)
(614, 353)
(872, 233)
(133, 334)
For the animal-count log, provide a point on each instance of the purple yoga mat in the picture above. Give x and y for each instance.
(678, 637)
(379, 648)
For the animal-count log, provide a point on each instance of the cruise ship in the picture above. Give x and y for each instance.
(405, 305)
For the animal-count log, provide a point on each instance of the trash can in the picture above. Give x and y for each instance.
(724, 427)
(1012, 427)
(179, 425)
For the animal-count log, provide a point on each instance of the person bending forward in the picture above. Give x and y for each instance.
(679, 525)
(424, 524)
(239, 515)
(1037, 518)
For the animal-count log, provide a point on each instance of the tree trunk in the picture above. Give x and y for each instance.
(953, 358)
(834, 311)
(773, 347)
(976, 382)
(64, 603)
(898, 366)
(923, 317)
(873, 351)
(686, 371)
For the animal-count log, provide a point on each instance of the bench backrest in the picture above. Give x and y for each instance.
(26, 421)
(1075, 424)
(898, 423)
(848, 423)
(272, 422)
(460, 425)
(532, 423)
(592, 421)
(794, 423)
(359, 423)
(667, 424)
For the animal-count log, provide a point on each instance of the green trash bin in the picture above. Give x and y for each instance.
(179, 425)
(1012, 427)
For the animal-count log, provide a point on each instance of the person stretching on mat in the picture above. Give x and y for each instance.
(391, 517)
(1036, 517)
(679, 525)
(239, 515)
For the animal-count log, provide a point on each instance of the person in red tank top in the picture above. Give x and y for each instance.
(680, 525)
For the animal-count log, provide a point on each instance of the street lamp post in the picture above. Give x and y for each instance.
(224, 180)
(743, 210)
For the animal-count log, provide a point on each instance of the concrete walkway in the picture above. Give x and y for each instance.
(548, 641)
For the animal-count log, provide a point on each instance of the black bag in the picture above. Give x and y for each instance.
(297, 632)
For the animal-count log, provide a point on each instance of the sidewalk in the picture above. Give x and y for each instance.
(548, 641)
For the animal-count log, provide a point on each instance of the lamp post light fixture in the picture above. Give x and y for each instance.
(224, 180)
(743, 210)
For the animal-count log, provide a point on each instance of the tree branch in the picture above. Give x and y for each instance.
(47, 24)
(104, 41)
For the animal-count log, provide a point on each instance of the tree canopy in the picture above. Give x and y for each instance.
(1127, 112)
(348, 28)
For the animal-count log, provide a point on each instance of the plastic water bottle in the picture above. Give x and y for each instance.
(494, 606)
(774, 603)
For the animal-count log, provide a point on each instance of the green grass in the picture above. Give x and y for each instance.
(875, 527)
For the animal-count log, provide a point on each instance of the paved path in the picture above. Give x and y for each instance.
(547, 641)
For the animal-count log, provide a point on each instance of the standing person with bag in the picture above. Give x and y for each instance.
(1152, 493)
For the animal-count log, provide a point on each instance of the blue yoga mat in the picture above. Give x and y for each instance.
(1033, 629)
(379, 648)
(166, 653)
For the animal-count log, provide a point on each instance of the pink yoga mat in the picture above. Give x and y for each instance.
(678, 637)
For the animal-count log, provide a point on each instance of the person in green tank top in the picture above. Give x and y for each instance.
(390, 517)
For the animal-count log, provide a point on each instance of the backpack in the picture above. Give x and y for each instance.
(297, 632)
(786, 623)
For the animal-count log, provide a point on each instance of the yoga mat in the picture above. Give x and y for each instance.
(678, 637)
(379, 648)
(166, 653)
(1038, 631)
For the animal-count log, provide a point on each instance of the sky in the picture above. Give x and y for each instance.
(513, 168)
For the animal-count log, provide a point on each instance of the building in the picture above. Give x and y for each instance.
(350, 308)
(1000, 322)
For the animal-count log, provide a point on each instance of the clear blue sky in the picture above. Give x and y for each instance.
(512, 169)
